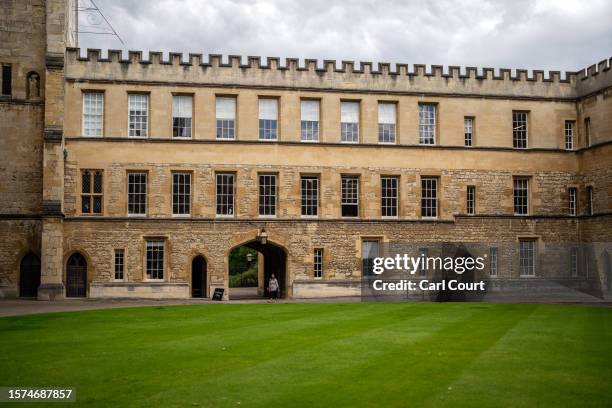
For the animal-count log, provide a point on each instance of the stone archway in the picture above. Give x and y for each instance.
(274, 261)
(76, 276)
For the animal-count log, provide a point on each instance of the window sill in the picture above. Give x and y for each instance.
(318, 278)
(267, 216)
(226, 216)
(181, 215)
(309, 141)
(387, 143)
(309, 217)
(222, 139)
(138, 137)
(349, 142)
(390, 217)
(137, 215)
(268, 140)
(527, 276)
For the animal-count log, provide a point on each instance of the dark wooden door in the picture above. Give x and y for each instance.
(198, 277)
(76, 276)
(29, 276)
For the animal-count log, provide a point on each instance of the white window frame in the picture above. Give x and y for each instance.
(155, 243)
(268, 113)
(220, 201)
(471, 200)
(520, 184)
(524, 257)
(468, 131)
(428, 123)
(572, 196)
(520, 128)
(493, 261)
(263, 193)
(387, 123)
(184, 108)
(569, 131)
(116, 252)
(131, 97)
(349, 197)
(306, 120)
(178, 197)
(389, 202)
(426, 186)
(225, 117)
(348, 117)
(306, 206)
(146, 193)
(318, 263)
(98, 116)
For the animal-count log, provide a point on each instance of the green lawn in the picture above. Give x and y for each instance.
(305, 355)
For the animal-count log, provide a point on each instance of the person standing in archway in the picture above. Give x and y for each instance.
(273, 287)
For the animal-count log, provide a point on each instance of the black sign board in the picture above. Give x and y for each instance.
(218, 294)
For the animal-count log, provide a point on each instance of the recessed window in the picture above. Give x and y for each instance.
(519, 129)
(370, 249)
(93, 113)
(309, 110)
(521, 196)
(427, 123)
(268, 119)
(137, 193)
(589, 200)
(155, 259)
(226, 118)
(182, 111)
(91, 192)
(350, 196)
(471, 200)
(569, 134)
(138, 107)
(468, 131)
(527, 257)
(7, 79)
(267, 195)
(587, 131)
(225, 194)
(386, 122)
(318, 263)
(574, 262)
(119, 264)
(389, 196)
(349, 112)
(429, 197)
(493, 261)
(310, 196)
(572, 194)
(181, 193)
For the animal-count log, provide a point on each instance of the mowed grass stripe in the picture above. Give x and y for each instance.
(537, 362)
(331, 359)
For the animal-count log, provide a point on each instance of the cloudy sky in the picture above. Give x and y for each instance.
(537, 34)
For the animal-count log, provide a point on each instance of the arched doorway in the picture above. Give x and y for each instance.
(272, 259)
(76, 276)
(29, 276)
(198, 277)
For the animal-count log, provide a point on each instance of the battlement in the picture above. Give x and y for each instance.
(328, 74)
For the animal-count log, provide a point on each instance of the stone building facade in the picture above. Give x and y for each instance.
(126, 175)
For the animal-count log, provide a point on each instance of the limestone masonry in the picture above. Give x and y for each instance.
(125, 175)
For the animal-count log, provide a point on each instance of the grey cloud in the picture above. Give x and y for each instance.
(542, 34)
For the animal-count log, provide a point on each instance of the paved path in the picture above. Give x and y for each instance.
(17, 307)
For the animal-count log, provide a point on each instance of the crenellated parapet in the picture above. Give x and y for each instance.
(347, 76)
